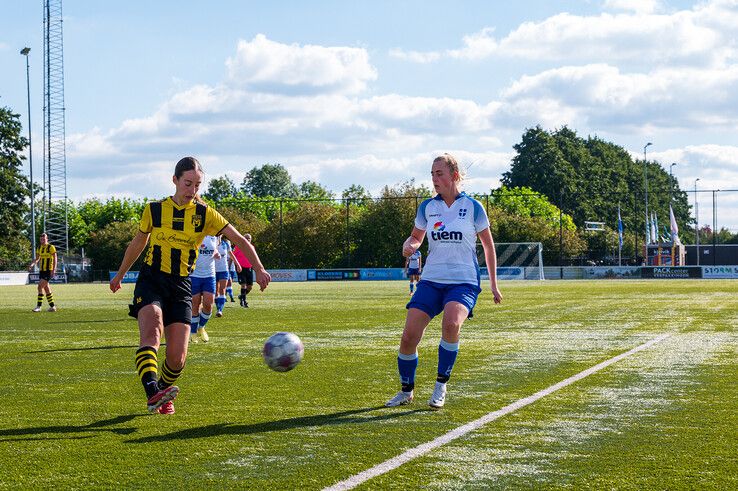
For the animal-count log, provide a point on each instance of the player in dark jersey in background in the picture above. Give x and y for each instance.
(46, 259)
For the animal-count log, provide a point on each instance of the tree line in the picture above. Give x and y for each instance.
(556, 181)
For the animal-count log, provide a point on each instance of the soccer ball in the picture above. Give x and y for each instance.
(283, 351)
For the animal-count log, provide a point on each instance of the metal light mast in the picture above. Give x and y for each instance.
(55, 161)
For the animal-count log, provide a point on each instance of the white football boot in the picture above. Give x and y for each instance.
(438, 398)
(400, 399)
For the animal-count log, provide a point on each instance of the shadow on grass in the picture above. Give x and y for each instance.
(80, 349)
(340, 418)
(130, 346)
(98, 426)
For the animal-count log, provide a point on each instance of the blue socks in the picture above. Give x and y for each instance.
(220, 301)
(407, 365)
(229, 292)
(412, 287)
(446, 358)
(205, 317)
(193, 325)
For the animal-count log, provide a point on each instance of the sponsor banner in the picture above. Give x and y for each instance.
(14, 278)
(333, 274)
(504, 273)
(599, 272)
(130, 277)
(288, 274)
(715, 272)
(669, 272)
(59, 278)
(373, 274)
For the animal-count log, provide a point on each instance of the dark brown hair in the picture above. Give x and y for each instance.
(185, 164)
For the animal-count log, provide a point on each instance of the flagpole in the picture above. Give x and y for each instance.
(620, 238)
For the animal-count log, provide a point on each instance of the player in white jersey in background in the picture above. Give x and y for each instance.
(413, 268)
(222, 275)
(450, 284)
(203, 288)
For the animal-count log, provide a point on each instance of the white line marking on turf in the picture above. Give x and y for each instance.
(424, 448)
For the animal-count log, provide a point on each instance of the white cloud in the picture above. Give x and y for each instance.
(262, 64)
(601, 96)
(703, 35)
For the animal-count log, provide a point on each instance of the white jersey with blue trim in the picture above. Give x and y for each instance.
(452, 238)
(413, 262)
(224, 249)
(205, 264)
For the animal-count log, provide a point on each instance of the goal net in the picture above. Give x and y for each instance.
(516, 260)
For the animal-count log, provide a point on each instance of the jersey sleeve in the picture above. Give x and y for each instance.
(481, 221)
(421, 222)
(146, 225)
(214, 221)
(52, 250)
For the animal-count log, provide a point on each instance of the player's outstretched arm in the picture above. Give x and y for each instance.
(490, 258)
(412, 243)
(134, 249)
(262, 276)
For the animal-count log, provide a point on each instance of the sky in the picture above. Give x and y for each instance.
(368, 92)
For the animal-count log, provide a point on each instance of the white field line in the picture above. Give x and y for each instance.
(424, 448)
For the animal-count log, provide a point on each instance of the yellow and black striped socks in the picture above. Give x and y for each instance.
(50, 299)
(39, 300)
(168, 376)
(147, 366)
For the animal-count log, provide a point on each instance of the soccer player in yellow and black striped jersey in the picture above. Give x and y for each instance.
(162, 299)
(46, 259)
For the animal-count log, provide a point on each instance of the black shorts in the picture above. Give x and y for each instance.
(246, 276)
(44, 275)
(173, 294)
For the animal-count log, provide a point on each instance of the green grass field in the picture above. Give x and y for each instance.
(73, 415)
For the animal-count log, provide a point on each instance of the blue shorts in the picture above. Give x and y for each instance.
(234, 275)
(221, 275)
(413, 272)
(203, 285)
(431, 297)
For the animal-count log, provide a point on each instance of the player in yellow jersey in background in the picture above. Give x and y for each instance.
(162, 298)
(46, 259)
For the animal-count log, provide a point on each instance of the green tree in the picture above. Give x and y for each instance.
(313, 190)
(220, 188)
(108, 245)
(378, 233)
(356, 192)
(15, 250)
(269, 180)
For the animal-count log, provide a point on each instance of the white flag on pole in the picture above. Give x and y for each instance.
(674, 227)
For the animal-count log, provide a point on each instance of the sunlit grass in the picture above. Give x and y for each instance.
(73, 411)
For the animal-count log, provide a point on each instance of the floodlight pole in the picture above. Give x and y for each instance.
(645, 186)
(671, 180)
(25, 52)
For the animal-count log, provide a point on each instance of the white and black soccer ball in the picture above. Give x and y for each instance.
(283, 351)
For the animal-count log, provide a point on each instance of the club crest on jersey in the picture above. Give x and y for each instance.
(462, 212)
(196, 220)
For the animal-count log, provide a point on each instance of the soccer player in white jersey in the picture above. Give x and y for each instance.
(413, 268)
(222, 275)
(450, 283)
(203, 288)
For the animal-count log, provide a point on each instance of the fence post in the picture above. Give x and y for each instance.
(561, 233)
(348, 237)
(281, 244)
(714, 228)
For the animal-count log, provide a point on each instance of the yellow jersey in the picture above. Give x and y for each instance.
(45, 254)
(176, 233)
